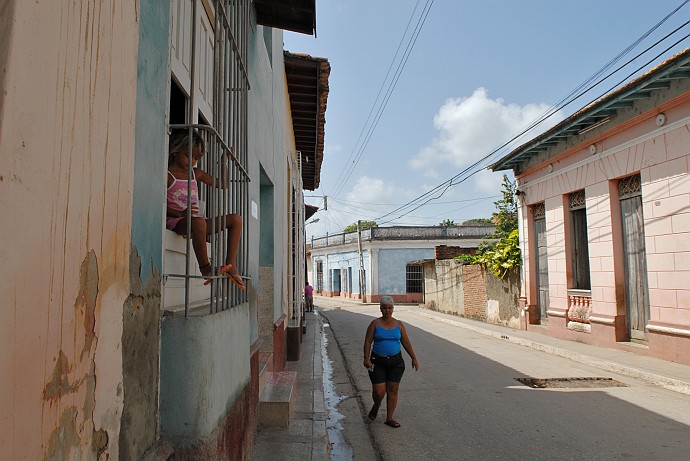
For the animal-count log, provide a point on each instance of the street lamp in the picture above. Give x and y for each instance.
(312, 221)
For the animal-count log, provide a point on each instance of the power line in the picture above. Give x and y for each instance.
(391, 86)
(563, 103)
(390, 66)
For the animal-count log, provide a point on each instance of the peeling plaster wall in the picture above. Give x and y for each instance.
(66, 143)
(142, 310)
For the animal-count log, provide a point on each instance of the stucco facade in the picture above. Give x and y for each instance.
(639, 149)
(67, 143)
(93, 365)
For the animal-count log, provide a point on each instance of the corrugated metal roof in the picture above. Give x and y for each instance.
(600, 111)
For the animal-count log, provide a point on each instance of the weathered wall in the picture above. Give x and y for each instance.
(442, 287)
(392, 267)
(201, 379)
(469, 291)
(67, 150)
(142, 311)
(474, 291)
(502, 299)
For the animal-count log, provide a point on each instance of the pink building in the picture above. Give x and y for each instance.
(605, 218)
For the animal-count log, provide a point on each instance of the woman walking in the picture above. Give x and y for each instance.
(384, 360)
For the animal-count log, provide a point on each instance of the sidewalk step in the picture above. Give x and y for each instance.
(277, 402)
(265, 366)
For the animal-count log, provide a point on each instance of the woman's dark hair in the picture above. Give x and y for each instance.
(179, 141)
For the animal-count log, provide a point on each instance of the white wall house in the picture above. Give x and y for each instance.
(385, 257)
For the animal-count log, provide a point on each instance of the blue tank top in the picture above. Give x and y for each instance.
(386, 342)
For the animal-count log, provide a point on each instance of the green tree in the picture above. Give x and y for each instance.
(447, 222)
(363, 224)
(506, 216)
(501, 255)
(478, 222)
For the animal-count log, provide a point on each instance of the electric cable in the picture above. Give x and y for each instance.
(450, 182)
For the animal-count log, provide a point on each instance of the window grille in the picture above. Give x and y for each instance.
(539, 211)
(319, 277)
(414, 279)
(630, 186)
(297, 240)
(577, 200)
(215, 72)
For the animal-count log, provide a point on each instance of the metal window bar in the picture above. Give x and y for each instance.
(298, 240)
(230, 128)
(414, 278)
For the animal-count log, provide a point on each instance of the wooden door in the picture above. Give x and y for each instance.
(542, 261)
(634, 258)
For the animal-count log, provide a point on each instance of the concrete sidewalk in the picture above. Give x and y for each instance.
(306, 438)
(669, 375)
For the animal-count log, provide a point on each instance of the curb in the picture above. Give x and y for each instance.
(666, 382)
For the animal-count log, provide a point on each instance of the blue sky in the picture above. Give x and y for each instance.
(476, 75)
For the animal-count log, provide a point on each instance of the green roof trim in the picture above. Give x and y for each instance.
(660, 77)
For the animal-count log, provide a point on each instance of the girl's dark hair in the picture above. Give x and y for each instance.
(179, 141)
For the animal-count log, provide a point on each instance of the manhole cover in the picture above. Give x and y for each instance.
(569, 383)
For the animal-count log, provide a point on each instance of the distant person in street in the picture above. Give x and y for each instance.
(309, 297)
(385, 361)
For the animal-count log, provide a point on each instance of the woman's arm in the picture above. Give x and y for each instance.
(405, 341)
(207, 179)
(368, 338)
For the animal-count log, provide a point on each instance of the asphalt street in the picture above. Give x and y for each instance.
(466, 402)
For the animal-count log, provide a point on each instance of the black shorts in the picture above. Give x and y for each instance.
(387, 368)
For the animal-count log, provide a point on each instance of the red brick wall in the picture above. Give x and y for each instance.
(450, 252)
(474, 291)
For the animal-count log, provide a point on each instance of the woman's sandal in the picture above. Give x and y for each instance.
(372, 414)
(392, 423)
(222, 271)
(235, 278)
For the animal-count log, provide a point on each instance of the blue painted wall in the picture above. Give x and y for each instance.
(342, 261)
(391, 267)
(153, 80)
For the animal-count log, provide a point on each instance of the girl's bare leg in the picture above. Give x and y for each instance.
(233, 222)
(199, 230)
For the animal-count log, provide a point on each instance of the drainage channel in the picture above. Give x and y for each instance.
(340, 449)
(570, 383)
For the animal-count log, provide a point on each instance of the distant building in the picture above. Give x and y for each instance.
(389, 258)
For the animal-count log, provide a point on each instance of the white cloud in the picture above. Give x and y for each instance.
(374, 190)
(369, 198)
(470, 128)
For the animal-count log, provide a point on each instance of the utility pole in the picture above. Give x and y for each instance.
(362, 288)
